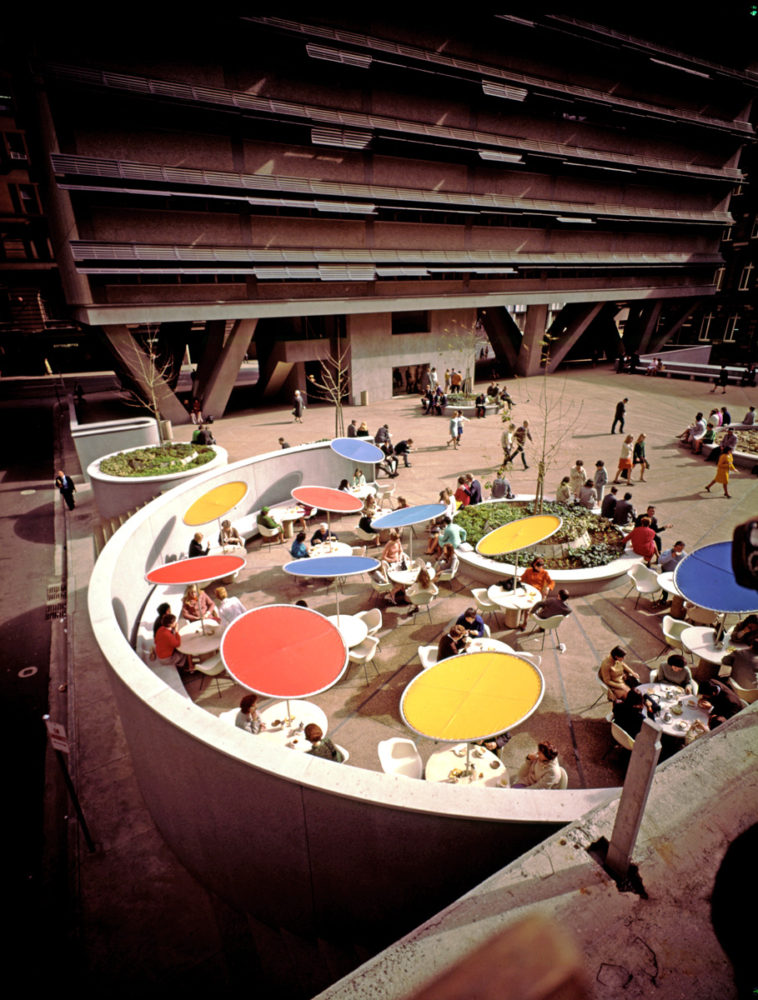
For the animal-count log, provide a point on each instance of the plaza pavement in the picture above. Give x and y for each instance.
(162, 926)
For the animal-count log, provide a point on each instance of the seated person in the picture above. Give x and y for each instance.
(563, 493)
(452, 534)
(614, 673)
(358, 481)
(588, 495)
(501, 487)
(167, 643)
(541, 769)
(229, 535)
(480, 404)
(433, 545)
(629, 713)
(247, 718)
(163, 609)
(364, 523)
(452, 643)
(749, 418)
(389, 464)
(671, 558)
(746, 630)
(608, 506)
(362, 431)
(298, 549)
(642, 540)
(344, 486)
(676, 671)
(267, 520)
(744, 664)
(404, 448)
(196, 546)
(722, 700)
(322, 746)
(623, 511)
(473, 622)
(447, 561)
(423, 587)
(708, 438)
(537, 576)
(392, 553)
(323, 534)
(197, 605)
(229, 608)
(552, 606)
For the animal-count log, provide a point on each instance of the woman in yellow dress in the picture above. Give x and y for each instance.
(725, 466)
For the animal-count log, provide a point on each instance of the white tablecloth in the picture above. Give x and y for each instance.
(487, 768)
(671, 698)
(292, 734)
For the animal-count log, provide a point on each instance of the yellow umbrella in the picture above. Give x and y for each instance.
(215, 503)
(518, 534)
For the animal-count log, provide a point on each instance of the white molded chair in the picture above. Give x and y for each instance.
(380, 588)
(230, 715)
(372, 618)
(345, 754)
(534, 658)
(449, 574)
(672, 633)
(364, 653)
(606, 692)
(366, 536)
(747, 695)
(484, 604)
(547, 625)
(384, 496)
(400, 756)
(423, 601)
(271, 533)
(622, 737)
(564, 782)
(644, 579)
(427, 655)
(212, 668)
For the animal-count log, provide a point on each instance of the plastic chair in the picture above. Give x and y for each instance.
(644, 579)
(372, 618)
(423, 600)
(272, 533)
(450, 574)
(672, 633)
(609, 695)
(622, 737)
(747, 695)
(366, 536)
(484, 604)
(364, 653)
(343, 751)
(384, 495)
(534, 658)
(564, 782)
(212, 668)
(427, 655)
(547, 625)
(380, 588)
(400, 756)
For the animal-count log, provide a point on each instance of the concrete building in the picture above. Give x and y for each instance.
(399, 190)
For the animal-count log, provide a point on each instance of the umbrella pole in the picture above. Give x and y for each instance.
(468, 759)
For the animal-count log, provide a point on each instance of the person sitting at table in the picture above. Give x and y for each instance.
(676, 671)
(344, 486)
(247, 718)
(358, 481)
(614, 673)
(433, 545)
(447, 561)
(642, 540)
(362, 431)
(229, 608)
(452, 643)
(746, 630)
(472, 622)
(266, 519)
(196, 605)
(671, 558)
(541, 769)
(298, 549)
(744, 664)
(629, 713)
(163, 609)
(322, 534)
(229, 535)
(497, 745)
(196, 546)
(364, 522)
(720, 698)
(552, 606)
(452, 533)
(423, 585)
(392, 557)
(167, 643)
(322, 746)
(537, 576)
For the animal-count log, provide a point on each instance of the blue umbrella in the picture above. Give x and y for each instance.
(331, 566)
(706, 578)
(406, 516)
(357, 450)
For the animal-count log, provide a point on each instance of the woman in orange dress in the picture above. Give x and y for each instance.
(725, 466)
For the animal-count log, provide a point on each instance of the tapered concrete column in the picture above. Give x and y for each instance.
(214, 394)
(530, 355)
(583, 316)
(504, 335)
(131, 359)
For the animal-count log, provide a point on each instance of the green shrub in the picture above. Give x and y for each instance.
(157, 461)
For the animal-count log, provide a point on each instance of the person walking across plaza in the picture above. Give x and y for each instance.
(519, 437)
(618, 416)
(298, 407)
(67, 489)
(725, 466)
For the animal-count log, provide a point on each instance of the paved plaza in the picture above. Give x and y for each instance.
(167, 909)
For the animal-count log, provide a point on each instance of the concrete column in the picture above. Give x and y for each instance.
(530, 356)
(149, 383)
(504, 335)
(214, 393)
(214, 345)
(583, 316)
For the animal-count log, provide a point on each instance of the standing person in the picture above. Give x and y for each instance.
(506, 441)
(298, 408)
(519, 438)
(721, 380)
(462, 493)
(453, 426)
(352, 428)
(618, 416)
(474, 488)
(725, 466)
(67, 489)
(577, 478)
(447, 380)
(601, 479)
(625, 460)
(455, 380)
(433, 380)
(638, 458)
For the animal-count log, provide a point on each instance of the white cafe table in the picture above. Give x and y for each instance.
(197, 641)
(486, 645)
(407, 577)
(285, 516)
(352, 628)
(521, 598)
(330, 549)
(486, 768)
(666, 582)
(292, 734)
(679, 711)
(699, 640)
(362, 491)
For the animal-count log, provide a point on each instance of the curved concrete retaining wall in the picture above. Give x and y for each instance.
(294, 840)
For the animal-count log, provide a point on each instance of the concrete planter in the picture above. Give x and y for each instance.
(115, 495)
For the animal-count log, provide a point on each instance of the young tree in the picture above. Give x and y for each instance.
(333, 384)
(151, 377)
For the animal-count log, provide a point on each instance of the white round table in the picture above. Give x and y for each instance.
(487, 769)
(330, 549)
(486, 645)
(672, 698)
(199, 642)
(407, 577)
(699, 640)
(666, 583)
(285, 516)
(292, 734)
(352, 628)
(362, 491)
(514, 602)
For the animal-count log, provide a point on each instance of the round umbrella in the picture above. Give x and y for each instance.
(215, 503)
(706, 578)
(406, 516)
(195, 570)
(284, 651)
(328, 499)
(357, 450)
(331, 566)
(518, 535)
(473, 696)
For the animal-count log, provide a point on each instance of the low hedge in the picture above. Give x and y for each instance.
(157, 460)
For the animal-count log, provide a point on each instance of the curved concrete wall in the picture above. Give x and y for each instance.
(291, 839)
